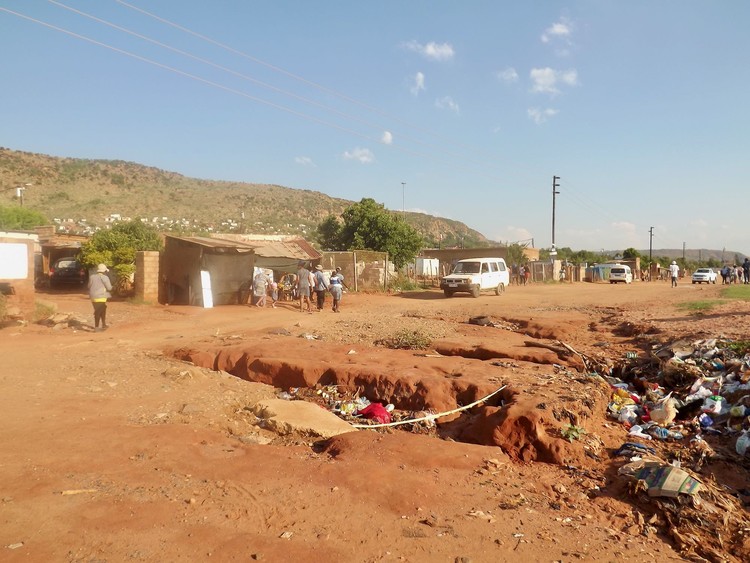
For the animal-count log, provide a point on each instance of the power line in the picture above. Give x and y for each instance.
(316, 85)
(244, 94)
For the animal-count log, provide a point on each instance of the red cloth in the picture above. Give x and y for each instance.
(376, 412)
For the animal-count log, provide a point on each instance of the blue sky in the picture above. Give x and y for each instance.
(463, 110)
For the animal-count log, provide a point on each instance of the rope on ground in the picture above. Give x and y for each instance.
(431, 416)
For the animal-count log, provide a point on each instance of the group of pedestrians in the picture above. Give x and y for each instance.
(307, 283)
(736, 274)
(520, 275)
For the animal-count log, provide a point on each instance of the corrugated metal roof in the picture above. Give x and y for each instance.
(276, 246)
(210, 242)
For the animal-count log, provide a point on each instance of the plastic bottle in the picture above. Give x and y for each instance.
(743, 443)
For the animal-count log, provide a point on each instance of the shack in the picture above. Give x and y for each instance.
(205, 271)
(280, 253)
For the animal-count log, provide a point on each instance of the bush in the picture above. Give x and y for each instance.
(42, 311)
(406, 340)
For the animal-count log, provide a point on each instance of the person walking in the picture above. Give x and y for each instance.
(274, 294)
(99, 291)
(321, 287)
(674, 272)
(725, 275)
(336, 288)
(304, 284)
(260, 288)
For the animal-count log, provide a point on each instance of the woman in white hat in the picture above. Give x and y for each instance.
(99, 292)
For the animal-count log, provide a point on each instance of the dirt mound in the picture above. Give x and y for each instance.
(409, 383)
(518, 428)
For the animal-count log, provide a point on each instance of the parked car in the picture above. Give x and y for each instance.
(472, 275)
(67, 271)
(704, 275)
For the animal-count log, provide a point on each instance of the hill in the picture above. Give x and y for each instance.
(698, 255)
(88, 192)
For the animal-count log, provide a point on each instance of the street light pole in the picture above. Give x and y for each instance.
(20, 190)
(403, 198)
(555, 185)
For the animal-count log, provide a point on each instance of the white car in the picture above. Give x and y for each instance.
(706, 275)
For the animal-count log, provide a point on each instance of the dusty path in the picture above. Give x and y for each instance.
(112, 450)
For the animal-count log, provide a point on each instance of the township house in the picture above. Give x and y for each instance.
(218, 270)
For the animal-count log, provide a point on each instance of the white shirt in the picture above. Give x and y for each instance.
(674, 269)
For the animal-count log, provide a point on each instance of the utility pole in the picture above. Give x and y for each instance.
(555, 185)
(403, 198)
(650, 243)
(683, 252)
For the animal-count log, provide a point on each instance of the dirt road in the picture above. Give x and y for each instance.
(113, 449)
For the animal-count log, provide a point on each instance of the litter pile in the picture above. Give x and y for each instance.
(690, 402)
(358, 410)
(701, 518)
(682, 389)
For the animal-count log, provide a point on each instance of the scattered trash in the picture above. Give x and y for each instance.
(77, 491)
(704, 385)
(661, 479)
(376, 412)
(743, 443)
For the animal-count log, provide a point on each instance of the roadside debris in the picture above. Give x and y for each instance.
(699, 388)
(689, 399)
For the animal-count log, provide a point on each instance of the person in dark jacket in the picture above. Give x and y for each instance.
(321, 286)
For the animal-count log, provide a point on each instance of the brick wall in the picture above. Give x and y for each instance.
(147, 276)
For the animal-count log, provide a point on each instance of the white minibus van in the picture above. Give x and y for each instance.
(473, 275)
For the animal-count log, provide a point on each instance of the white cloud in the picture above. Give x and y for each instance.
(433, 51)
(418, 84)
(539, 116)
(363, 156)
(509, 75)
(446, 102)
(387, 138)
(623, 226)
(304, 161)
(546, 80)
(561, 30)
(516, 234)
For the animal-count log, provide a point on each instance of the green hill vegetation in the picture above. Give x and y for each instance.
(88, 191)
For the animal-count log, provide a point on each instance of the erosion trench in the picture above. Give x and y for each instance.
(524, 420)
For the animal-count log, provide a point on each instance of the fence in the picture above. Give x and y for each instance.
(363, 270)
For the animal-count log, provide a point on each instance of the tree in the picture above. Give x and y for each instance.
(20, 218)
(329, 233)
(368, 226)
(630, 254)
(116, 247)
(514, 253)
